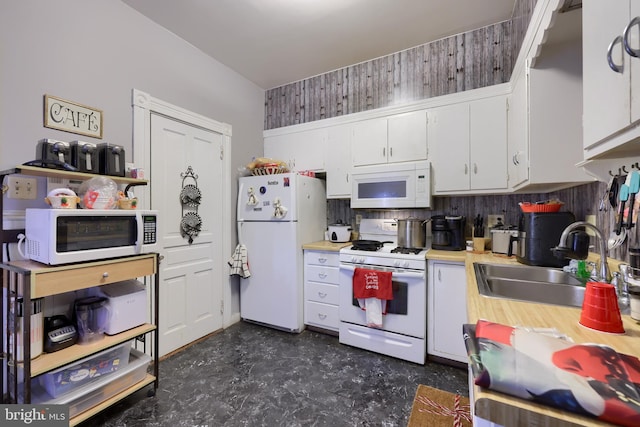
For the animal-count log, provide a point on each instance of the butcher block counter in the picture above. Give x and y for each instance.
(511, 411)
(325, 245)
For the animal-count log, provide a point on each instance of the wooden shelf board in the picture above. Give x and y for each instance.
(48, 172)
(48, 361)
(105, 404)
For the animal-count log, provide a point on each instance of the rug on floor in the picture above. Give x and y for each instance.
(438, 408)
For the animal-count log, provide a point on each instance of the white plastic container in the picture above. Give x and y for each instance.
(82, 398)
(69, 377)
(127, 302)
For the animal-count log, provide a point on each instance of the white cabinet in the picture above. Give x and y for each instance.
(407, 136)
(447, 310)
(369, 142)
(392, 139)
(468, 145)
(321, 275)
(337, 161)
(611, 99)
(302, 150)
(518, 133)
(545, 121)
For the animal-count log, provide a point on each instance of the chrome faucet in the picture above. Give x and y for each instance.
(604, 274)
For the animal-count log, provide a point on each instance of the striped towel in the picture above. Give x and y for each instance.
(239, 262)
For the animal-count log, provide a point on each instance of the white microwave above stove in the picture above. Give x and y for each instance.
(61, 236)
(392, 185)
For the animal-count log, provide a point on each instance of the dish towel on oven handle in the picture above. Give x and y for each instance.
(373, 289)
(239, 262)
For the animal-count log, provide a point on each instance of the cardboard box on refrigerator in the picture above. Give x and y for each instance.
(127, 305)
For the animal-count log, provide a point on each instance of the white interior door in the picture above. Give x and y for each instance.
(190, 289)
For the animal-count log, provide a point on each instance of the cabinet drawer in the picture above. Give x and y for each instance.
(322, 258)
(81, 276)
(318, 273)
(321, 315)
(321, 292)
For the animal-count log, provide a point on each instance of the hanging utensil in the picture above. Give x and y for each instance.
(613, 191)
(634, 187)
(624, 196)
(616, 240)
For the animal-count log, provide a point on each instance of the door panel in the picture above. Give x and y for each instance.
(449, 147)
(488, 143)
(190, 300)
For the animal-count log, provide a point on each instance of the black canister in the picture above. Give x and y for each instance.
(538, 234)
(578, 242)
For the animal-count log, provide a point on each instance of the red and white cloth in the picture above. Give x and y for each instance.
(373, 289)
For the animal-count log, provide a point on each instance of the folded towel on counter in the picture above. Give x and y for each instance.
(239, 262)
(546, 367)
(373, 289)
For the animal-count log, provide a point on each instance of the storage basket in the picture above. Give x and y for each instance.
(269, 169)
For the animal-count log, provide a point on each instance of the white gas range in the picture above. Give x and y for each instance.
(403, 330)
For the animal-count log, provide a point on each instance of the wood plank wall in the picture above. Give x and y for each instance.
(470, 60)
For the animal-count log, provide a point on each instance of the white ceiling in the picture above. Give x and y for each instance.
(275, 42)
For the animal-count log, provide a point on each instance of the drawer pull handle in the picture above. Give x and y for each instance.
(105, 274)
(322, 294)
(322, 316)
(322, 275)
(322, 260)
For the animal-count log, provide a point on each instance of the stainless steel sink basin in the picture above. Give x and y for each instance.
(529, 283)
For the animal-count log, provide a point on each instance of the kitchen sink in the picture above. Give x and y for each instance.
(529, 283)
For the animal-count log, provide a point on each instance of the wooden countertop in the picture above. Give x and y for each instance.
(325, 245)
(510, 411)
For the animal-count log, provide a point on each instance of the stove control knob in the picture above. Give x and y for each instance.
(361, 260)
(405, 263)
(396, 263)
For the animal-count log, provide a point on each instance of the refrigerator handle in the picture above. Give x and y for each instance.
(240, 239)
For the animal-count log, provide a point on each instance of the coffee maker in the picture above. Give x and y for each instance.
(447, 232)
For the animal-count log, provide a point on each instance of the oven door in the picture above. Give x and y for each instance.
(406, 313)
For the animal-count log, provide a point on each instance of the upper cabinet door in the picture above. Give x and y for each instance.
(369, 142)
(634, 42)
(301, 150)
(449, 147)
(606, 93)
(488, 143)
(338, 161)
(407, 137)
(518, 133)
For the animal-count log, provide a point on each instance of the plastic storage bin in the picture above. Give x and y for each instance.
(89, 395)
(67, 378)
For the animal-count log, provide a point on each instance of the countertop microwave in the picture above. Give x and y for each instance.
(61, 236)
(392, 185)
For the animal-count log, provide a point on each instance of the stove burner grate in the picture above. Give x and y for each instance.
(400, 250)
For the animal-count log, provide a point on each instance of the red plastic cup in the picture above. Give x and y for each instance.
(600, 309)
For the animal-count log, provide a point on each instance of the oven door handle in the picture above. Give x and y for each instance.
(396, 274)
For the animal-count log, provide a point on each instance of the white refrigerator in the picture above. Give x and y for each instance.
(277, 214)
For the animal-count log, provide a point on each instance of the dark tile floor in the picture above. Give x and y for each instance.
(249, 375)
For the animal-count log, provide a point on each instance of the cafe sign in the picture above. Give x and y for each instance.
(72, 117)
